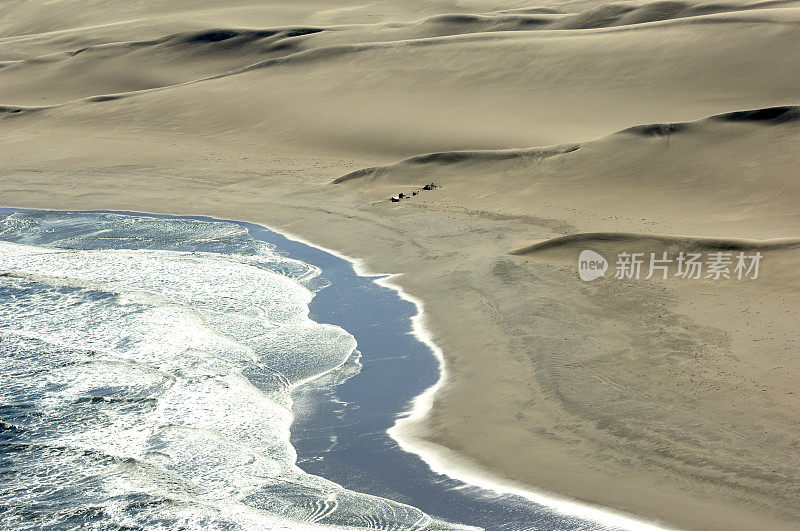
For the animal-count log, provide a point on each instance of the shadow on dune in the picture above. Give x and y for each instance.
(657, 242)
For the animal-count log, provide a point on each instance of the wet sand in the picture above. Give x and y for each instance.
(672, 400)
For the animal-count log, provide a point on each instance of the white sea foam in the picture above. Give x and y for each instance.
(151, 387)
(209, 463)
(449, 463)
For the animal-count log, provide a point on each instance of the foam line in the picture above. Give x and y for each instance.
(443, 460)
(440, 459)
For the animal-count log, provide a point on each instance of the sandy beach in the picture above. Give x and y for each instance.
(548, 129)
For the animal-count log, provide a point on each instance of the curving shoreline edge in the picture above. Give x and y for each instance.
(440, 459)
(444, 461)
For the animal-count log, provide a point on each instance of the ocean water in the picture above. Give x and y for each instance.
(147, 367)
(166, 372)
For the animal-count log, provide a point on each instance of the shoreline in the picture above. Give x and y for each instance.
(619, 395)
(548, 130)
(440, 460)
(435, 456)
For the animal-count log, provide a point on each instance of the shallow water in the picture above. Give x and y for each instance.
(152, 368)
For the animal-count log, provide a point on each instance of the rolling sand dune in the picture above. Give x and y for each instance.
(549, 129)
(652, 177)
(780, 255)
(727, 348)
(119, 67)
(656, 243)
(523, 88)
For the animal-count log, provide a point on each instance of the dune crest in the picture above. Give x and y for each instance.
(666, 125)
(656, 242)
(415, 170)
(454, 157)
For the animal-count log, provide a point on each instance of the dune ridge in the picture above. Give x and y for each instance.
(763, 117)
(452, 157)
(658, 242)
(242, 50)
(233, 38)
(665, 125)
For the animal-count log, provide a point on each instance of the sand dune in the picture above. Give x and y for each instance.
(722, 183)
(405, 169)
(655, 242)
(657, 126)
(454, 157)
(766, 116)
(603, 15)
(653, 176)
(130, 66)
(357, 93)
(778, 258)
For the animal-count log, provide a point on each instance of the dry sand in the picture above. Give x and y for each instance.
(673, 400)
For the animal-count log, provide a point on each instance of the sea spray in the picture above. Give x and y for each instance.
(147, 370)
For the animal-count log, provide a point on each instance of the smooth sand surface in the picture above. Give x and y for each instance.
(550, 128)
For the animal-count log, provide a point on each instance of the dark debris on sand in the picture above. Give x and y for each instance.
(397, 198)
